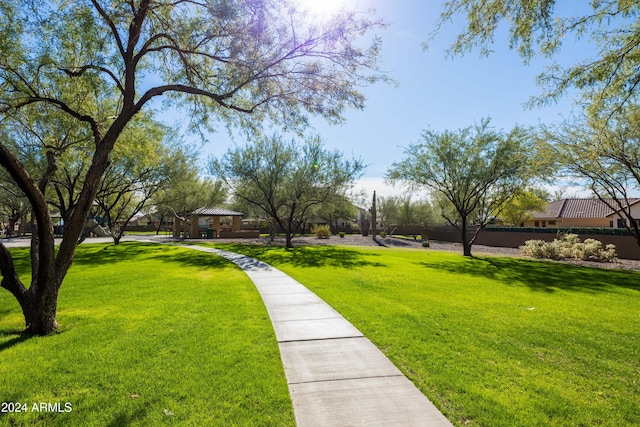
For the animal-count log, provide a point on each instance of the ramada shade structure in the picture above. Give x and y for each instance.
(216, 213)
(204, 211)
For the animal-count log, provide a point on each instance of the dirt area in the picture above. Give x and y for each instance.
(396, 242)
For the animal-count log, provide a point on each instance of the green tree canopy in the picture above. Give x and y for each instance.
(604, 151)
(520, 206)
(287, 180)
(475, 169)
(148, 158)
(95, 64)
(608, 78)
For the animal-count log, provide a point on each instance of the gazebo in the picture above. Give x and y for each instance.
(209, 228)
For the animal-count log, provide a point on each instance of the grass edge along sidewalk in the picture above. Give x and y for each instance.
(336, 376)
(150, 335)
(492, 341)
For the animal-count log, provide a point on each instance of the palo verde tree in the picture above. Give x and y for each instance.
(519, 207)
(236, 62)
(608, 78)
(286, 181)
(475, 169)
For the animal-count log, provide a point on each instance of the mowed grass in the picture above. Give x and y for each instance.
(491, 341)
(150, 335)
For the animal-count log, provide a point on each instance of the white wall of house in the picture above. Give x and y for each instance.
(635, 213)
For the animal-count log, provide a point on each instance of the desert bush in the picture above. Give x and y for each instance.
(533, 248)
(609, 253)
(592, 250)
(551, 250)
(322, 231)
(566, 244)
(569, 246)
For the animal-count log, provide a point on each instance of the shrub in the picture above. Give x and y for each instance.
(551, 250)
(425, 243)
(566, 245)
(542, 249)
(383, 234)
(322, 231)
(569, 246)
(341, 234)
(609, 253)
(592, 250)
(533, 248)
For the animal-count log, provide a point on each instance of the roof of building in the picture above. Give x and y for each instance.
(205, 211)
(579, 208)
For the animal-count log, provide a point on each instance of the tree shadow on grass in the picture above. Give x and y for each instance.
(307, 256)
(110, 254)
(126, 419)
(18, 337)
(540, 275)
(192, 258)
(127, 251)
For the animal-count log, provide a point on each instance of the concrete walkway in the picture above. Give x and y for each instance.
(336, 376)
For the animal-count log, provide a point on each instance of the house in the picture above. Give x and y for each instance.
(583, 213)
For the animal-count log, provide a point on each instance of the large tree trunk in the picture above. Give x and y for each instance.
(39, 303)
(289, 239)
(466, 245)
(40, 311)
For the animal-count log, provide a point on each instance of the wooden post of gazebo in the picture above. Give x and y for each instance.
(177, 227)
(195, 230)
(216, 226)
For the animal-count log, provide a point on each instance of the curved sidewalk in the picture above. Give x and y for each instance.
(336, 376)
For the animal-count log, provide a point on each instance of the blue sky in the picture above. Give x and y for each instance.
(434, 91)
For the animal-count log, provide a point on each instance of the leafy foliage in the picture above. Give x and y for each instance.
(474, 170)
(322, 231)
(286, 181)
(519, 207)
(395, 211)
(604, 151)
(75, 74)
(607, 81)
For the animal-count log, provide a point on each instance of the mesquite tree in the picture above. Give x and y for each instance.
(287, 181)
(95, 64)
(604, 154)
(474, 170)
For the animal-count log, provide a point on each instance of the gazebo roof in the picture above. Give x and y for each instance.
(204, 211)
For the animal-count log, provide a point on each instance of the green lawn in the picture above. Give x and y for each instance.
(491, 341)
(150, 335)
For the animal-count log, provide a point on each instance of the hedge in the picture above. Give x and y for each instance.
(567, 230)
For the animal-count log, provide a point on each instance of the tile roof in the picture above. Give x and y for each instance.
(578, 208)
(204, 211)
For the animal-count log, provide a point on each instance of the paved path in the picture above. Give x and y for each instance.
(336, 376)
